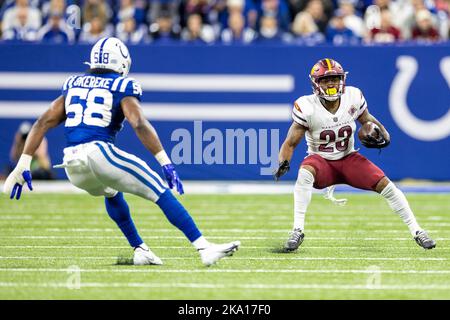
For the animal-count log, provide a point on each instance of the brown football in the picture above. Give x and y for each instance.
(367, 129)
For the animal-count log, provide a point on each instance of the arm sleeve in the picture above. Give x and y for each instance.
(298, 116)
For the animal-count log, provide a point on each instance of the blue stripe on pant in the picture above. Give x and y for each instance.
(137, 164)
(129, 170)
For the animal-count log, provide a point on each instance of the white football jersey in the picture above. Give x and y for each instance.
(330, 135)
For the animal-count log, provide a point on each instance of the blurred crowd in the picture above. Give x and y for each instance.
(301, 22)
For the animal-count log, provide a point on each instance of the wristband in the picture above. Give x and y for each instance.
(25, 161)
(162, 158)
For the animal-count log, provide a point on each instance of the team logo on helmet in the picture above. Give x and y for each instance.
(326, 68)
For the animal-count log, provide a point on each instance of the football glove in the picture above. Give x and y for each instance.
(375, 142)
(283, 167)
(21, 174)
(172, 177)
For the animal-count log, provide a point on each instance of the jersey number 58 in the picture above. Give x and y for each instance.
(97, 112)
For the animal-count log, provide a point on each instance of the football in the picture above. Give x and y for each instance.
(368, 129)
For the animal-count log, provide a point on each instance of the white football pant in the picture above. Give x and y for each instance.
(102, 169)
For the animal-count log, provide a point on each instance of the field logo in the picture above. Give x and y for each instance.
(74, 279)
(408, 122)
(374, 277)
(235, 146)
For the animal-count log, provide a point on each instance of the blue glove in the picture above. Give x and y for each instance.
(172, 177)
(14, 183)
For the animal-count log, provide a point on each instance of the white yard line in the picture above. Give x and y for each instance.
(412, 247)
(222, 286)
(280, 238)
(153, 285)
(234, 258)
(170, 230)
(150, 236)
(158, 270)
(205, 222)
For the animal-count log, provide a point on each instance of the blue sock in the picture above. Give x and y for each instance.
(178, 216)
(119, 211)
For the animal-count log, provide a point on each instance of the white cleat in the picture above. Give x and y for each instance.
(144, 256)
(215, 252)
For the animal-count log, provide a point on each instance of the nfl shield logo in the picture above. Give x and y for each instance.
(335, 119)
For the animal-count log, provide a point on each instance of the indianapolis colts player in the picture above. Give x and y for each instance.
(93, 107)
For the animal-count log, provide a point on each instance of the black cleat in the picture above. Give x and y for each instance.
(424, 240)
(295, 240)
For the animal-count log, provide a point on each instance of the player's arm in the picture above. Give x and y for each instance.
(366, 116)
(144, 130)
(149, 138)
(21, 173)
(295, 135)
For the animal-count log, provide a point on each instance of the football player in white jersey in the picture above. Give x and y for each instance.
(327, 118)
(93, 107)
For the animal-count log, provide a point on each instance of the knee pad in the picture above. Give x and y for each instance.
(304, 177)
(389, 190)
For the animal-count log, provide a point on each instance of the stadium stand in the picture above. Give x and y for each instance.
(291, 22)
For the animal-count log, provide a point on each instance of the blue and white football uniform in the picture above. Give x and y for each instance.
(94, 117)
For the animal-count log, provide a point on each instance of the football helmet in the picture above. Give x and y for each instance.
(111, 53)
(325, 68)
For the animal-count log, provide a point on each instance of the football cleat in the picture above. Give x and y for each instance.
(215, 252)
(424, 240)
(144, 256)
(295, 240)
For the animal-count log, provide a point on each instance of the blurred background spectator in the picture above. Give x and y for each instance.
(337, 32)
(237, 33)
(352, 18)
(424, 30)
(129, 32)
(297, 22)
(306, 31)
(21, 21)
(386, 32)
(56, 30)
(94, 30)
(40, 165)
(164, 30)
(270, 32)
(317, 11)
(196, 32)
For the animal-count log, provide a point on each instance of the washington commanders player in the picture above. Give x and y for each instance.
(328, 120)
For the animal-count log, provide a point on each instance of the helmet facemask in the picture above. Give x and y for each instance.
(329, 94)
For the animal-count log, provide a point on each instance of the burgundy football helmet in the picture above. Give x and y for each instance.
(324, 68)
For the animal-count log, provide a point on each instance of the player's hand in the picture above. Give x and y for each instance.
(378, 140)
(14, 183)
(283, 167)
(172, 178)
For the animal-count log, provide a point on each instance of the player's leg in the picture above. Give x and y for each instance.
(82, 177)
(181, 219)
(314, 172)
(128, 173)
(119, 212)
(399, 204)
(361, 173)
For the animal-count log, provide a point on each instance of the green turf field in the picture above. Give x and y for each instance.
(360, 251)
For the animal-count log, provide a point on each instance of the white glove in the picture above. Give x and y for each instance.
(329, 195)
(20, 175)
